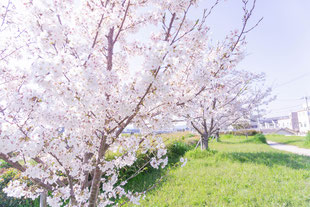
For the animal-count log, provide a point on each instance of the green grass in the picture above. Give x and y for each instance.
(187, 137)
(299, 141)
(235, 173)
(177, 144)
(176, 148)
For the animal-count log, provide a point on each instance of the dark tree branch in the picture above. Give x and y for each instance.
(123, 21)
(19, 167)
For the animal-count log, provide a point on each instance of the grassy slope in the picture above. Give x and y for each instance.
(238, 174)
(147, 179)
(298, 141)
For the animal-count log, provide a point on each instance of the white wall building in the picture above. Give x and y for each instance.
(266, 123)
(296, 122)
(303, 121)
(290, 122)
(285, 122)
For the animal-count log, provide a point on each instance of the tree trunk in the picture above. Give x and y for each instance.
(87, 157)
(217, 135)
(43, 199)
(204, 141)
(94, 190)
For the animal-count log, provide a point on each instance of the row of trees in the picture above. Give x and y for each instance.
(75, 74)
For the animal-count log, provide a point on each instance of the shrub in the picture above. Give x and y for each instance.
(308, 138)
(4, 164)
(191, 135)
(227, 136)
(5, 178)
(246, 132)
(259, 138)
(176, 150)
(198, 153)
(249, 132)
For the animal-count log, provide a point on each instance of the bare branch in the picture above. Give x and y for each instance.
(254, 26)
(206, 15)
(110, 51)
(95, 39)
(196, 128)
(69, 178)
(170, 27)
(181, 24)
(123, 21)
(38, 160)
(6, 12)
(247, 15)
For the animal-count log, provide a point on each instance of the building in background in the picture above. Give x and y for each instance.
(303, 121)
(274, 122)
(285, 122)
(295, 123)
(298, 122)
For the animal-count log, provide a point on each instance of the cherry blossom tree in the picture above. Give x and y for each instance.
(240, 100)
(73, 75)
(222, 100)
(211, 93)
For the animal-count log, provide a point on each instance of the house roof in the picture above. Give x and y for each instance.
(275, 131)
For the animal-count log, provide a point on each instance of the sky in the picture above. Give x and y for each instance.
(279, 46)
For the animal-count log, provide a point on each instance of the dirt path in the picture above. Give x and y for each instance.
(289, 148)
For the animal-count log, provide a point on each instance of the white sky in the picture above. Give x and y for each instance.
(279, 46)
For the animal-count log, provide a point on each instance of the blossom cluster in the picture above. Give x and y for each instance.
(74, 74)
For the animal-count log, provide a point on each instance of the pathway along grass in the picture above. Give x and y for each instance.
(299, 141)
(236, 173)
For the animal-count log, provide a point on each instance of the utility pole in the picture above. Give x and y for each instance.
(307, 105)
(306, 97)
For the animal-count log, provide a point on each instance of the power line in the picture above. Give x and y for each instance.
(285, 108)
(292, 80)
(293, 99)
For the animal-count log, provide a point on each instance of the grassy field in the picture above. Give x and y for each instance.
(298, 141)
(177, 143)
(236, 172)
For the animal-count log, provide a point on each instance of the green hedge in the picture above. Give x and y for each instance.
(250, 132)
(260, 138)
(5, 201)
